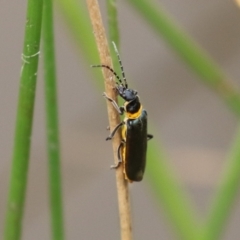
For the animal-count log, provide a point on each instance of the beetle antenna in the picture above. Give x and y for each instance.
(120, 62)
(109, 68)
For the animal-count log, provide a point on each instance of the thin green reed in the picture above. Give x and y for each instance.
(113, 21)
(23, 130)
(52, 131)
(113, 29)
(227, 193)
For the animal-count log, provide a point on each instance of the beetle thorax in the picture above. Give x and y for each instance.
(132, 106)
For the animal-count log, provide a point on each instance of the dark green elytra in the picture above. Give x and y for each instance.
(136, 147)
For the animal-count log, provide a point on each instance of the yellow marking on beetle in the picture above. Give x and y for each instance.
(133, 115)
(124, 130)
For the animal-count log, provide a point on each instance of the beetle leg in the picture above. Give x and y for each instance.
(119, 109)
(119, 156)
(149, 136)
(114, 131)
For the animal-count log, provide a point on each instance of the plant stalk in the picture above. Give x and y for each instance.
(114, 120)
(52, 131)
(23, 130)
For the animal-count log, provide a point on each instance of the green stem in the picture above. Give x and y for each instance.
(113, 21)
(22, 140)
(226, 195)
(52, 131)
(168, 192)
(113, 29)
(190, 52)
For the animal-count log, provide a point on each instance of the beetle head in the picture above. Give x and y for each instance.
(126, 93)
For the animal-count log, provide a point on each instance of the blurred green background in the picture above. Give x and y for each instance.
(194, 126)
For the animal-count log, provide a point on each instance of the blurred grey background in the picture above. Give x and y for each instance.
(194, 126)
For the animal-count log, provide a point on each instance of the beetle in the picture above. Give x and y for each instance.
(133, 147)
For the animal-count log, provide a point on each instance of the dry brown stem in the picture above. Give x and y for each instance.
(114, 120)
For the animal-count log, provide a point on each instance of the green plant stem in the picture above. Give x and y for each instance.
(113, 21)
(113, 29)
(22, 140)
(167, 191)
(223, 201)
(52, 131)
(190, 52)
